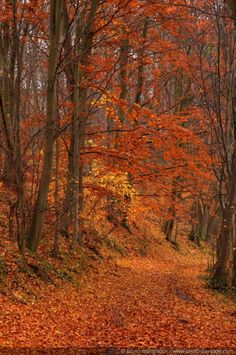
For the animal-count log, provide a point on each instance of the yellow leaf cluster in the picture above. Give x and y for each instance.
(117, 184)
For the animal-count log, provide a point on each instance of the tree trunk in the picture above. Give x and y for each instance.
(141, 65)
(56, 7)
(75, 74)
(12, 50)
(222, 272)
(56, 248)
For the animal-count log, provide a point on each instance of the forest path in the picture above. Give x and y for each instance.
(137, 301)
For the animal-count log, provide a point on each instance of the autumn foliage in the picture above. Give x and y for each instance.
(116, 118)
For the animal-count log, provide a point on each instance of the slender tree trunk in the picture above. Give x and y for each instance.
(56, 248)
(11, 63)
(141, 65)
(35, 232)
(222, 272)
(81, 116)
(75, 75)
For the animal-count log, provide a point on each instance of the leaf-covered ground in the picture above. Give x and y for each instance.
(135, 301)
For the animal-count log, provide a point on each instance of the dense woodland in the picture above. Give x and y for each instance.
(115, 110)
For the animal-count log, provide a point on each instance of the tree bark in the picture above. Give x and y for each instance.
(35, 232)
(222, 269)
(222, 272)
(75, 75)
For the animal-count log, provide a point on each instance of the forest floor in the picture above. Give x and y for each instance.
(155, 301)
